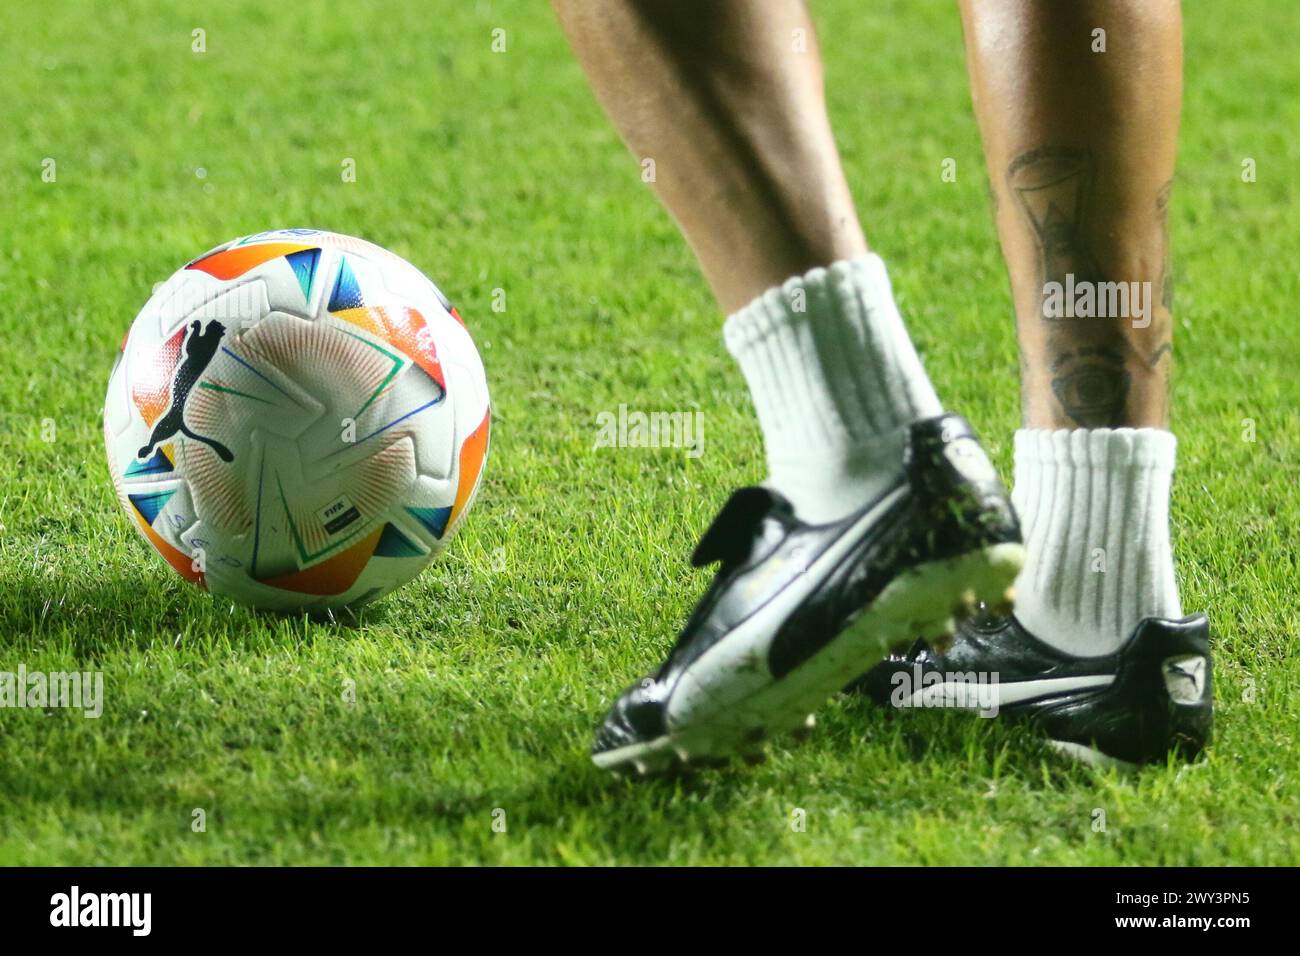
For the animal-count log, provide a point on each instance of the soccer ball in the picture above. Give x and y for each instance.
(297, 419)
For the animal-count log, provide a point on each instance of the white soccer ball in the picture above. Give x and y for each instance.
(297, 419)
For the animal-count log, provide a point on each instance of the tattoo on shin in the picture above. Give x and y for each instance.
(1053, 187)
(1092, 385)
(1165, 348)
(1166, 272)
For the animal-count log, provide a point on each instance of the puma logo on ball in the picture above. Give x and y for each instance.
(200, 347)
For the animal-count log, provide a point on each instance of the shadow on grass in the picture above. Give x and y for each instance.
(957, 738)
(542, 774)
(98, 616)
(640, 819)
(556, 788)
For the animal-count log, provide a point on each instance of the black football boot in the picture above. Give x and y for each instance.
(1151, 698)
(797, 610)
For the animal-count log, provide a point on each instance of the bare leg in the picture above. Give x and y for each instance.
(726, 97)
(1078, 105)
(1080, 147)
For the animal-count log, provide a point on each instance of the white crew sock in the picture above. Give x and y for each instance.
(1091, 499)
(835, 381)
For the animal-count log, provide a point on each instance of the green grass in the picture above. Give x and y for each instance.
(477, 687)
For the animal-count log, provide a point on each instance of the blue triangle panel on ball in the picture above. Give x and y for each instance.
(149, 505)
(435, 519)
(157, 465)
(347, 291)
(304, 267)
(394, 544)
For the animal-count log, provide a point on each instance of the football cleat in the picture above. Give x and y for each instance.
(1151, 698)
(796, 610)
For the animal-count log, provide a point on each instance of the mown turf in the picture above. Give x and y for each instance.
(477, 687)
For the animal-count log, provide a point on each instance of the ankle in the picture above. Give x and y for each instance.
(835, 380)
(1094, 508)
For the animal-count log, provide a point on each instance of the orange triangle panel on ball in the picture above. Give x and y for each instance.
(333, 575)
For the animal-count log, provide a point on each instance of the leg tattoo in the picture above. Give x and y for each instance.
(1166, 274)
(1092, 385)
(1053, 185)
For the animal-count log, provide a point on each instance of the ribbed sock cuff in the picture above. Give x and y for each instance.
(1094, 510)
(834, 379)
